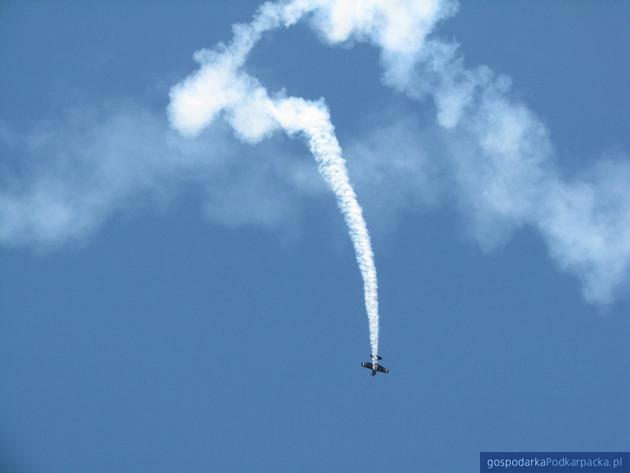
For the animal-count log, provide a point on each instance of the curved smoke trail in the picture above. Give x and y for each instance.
(315, 123)
(220, 85)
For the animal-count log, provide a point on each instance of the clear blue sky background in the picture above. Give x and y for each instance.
(169, 342)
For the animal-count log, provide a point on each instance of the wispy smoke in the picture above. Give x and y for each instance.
(487, 152)
(501, 162)
(66, 179)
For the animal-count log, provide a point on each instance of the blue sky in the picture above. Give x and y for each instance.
(193, 304)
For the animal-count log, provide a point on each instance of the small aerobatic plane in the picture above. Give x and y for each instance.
(374, 366)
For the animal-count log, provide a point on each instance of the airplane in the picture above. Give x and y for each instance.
(374, 366)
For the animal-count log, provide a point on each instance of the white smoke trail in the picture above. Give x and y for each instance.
(221, 86)
(313, 119)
